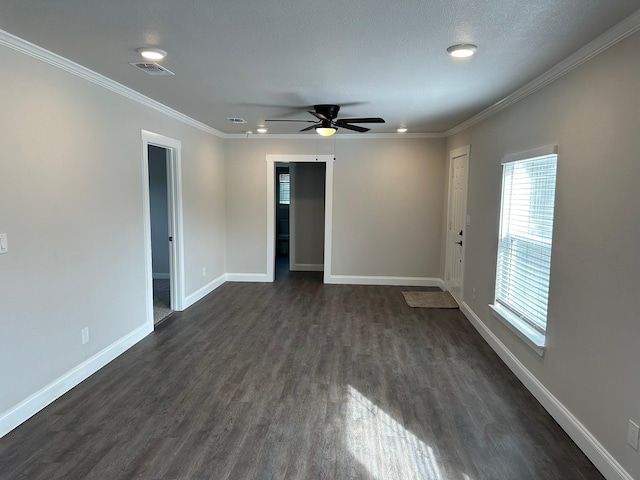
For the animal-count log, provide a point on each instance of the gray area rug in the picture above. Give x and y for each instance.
(430, 300)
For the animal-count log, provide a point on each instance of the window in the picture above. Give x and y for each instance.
(284, 189)
(524, 243)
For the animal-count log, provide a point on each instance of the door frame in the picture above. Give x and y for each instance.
(453, 154)
(174, 193)
(271, 209)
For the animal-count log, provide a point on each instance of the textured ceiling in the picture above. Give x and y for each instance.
(260, 59)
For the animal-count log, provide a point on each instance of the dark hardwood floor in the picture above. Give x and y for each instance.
(299, 380)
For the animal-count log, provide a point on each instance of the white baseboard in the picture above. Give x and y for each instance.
(600, 457)
(36, 402)
(161, 276)
(247, 277)
(401, 281)
(307, 267)
(204, 291)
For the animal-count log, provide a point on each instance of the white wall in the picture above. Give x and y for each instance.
(387, 204)
(592, 364)
(308, 196)
(71, 203)
(388, 201)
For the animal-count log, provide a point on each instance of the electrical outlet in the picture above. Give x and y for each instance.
(85, 335)
(632, 436)
(204, 271)
(473, 293)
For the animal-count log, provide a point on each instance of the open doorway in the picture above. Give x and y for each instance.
(162, 196)
(300, 217)
(323, 230)
(160, 237)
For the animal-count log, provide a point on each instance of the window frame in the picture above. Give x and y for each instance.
(526, 330)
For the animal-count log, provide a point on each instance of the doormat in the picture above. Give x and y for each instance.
(430, 300)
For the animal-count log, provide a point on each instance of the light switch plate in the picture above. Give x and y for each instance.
(4, 245)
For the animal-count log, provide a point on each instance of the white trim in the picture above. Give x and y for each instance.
(176, 257)
(247, 277)
(306, 267)
(161, 276)
(44, 55)
(531, 338)
(204, 291)
(592, 448)
(605, 41)
(384, 280)
(271, 221)
(271, 201)
(528, 154)
(292, 214)
(39, 400)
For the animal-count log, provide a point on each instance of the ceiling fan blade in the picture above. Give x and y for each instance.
(281, 120)
(310, 127)
(355, 128)
(361, 120)
(319, 115)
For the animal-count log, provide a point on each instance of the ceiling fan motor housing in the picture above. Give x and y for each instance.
(329, 111)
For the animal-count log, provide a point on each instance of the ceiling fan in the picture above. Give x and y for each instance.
(327, 124)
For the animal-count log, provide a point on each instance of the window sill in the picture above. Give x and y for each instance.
(532, 338)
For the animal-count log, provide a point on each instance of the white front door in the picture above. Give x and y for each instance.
(456, 233)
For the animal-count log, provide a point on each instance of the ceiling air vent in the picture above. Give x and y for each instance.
(152, 68)
(236, 120)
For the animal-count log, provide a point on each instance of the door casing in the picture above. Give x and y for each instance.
(176, 250)
(271, 208)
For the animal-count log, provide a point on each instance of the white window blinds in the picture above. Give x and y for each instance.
(524, 245)
(284, 191)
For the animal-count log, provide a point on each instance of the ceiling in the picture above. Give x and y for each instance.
(271, 59)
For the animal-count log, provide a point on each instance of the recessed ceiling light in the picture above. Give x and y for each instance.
(401, 130)
(462, 50)
(152, 53)
(261, 130)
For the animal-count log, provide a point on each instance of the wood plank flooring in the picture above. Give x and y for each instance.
(299, 380)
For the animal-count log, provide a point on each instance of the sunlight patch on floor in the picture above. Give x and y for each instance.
(384, 447)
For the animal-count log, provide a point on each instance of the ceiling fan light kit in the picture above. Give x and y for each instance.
(325, 131)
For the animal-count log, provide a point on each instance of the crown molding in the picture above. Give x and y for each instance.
(42, 54)
(622, 30)
(614, 35)
(340, 136)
